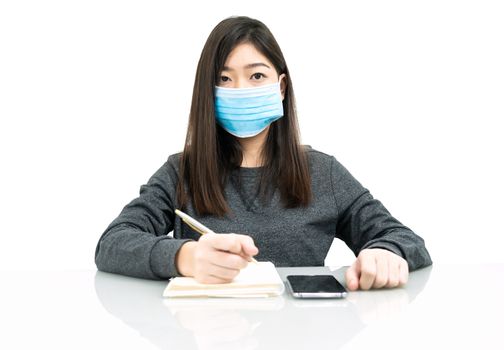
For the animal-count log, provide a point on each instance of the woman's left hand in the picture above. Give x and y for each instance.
(377, 268)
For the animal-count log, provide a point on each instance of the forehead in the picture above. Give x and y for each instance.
(243, 54)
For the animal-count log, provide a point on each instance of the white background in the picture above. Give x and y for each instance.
(94, 96)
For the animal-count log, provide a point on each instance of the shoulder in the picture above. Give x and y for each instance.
(318, 158)
(320, 164)
(174, 160)
(326, 168)
(169, 170)
(323, 164)
(172, 166)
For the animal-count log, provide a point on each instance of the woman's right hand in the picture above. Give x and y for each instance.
(215, 258)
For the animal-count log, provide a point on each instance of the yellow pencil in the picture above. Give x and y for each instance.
(196, 225)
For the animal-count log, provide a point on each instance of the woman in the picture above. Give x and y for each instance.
(243, 170)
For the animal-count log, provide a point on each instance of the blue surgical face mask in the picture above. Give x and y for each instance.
(245, 112)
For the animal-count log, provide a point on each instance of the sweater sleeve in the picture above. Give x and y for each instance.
(363, 221)
(136, 243)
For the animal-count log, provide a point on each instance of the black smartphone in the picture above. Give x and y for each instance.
(315, 286)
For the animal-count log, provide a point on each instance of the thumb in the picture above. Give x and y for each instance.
(352, 276)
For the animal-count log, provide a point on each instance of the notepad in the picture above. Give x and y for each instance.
(254, 281)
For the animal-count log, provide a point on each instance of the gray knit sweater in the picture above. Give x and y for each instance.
(144, 239)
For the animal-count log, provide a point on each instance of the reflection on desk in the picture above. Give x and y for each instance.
(445, 306)
(265, 323)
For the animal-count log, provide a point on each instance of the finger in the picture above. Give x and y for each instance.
(382, 270)
(368, 270)
(403, 273)
(248, 246)
(227, 260)
(222, 272)
(393, 278)
(227, 242)
(238, 244)
(352, 276)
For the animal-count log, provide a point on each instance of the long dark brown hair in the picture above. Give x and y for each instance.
(211, 153)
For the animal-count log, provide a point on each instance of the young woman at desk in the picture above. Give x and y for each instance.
(243, 171)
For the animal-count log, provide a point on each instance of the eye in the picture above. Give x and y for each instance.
(258, 76)
(224, 78)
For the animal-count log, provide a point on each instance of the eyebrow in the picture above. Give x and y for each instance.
(248, 66)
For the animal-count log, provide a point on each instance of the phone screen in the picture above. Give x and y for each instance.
(315, 286)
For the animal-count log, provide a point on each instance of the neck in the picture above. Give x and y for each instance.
(251, 148)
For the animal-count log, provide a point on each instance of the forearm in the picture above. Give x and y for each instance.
(129, 251)
(406, 244)
(368, 224)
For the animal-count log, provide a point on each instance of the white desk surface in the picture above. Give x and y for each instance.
(445, 306)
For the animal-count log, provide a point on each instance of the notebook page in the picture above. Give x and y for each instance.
(260, 277)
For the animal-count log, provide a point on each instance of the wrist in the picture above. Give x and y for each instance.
(184, 262)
